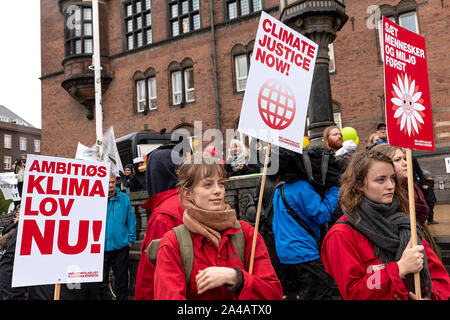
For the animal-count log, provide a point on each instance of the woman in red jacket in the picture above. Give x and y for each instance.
(166, 213)
(217, 272)
(400, 166)
(368, 251)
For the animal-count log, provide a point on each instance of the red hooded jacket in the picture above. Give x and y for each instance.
(170, 282)
(166, 213)
(350, 259)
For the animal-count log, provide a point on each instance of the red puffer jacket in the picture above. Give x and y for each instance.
(350, 259)
(170, 282)
(166, 213)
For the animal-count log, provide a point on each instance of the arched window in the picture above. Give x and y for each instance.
(241, 60)
(145, 84)
(182, 82)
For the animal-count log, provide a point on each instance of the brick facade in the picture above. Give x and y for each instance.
(357, 84)
(16, 132)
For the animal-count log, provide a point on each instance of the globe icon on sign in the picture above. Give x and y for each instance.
(276, 103)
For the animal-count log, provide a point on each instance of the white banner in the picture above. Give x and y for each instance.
(110, 152)
(61, 230)
(278, 86)
(8, 186)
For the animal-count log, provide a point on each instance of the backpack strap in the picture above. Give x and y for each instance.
(184, 240)
(186, 251)
(297, 218)
(238, 242)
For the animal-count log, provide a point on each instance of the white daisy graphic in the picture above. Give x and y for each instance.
(407, 105)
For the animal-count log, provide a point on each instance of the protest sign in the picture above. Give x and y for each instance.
(408, 107)
(61, 230)
(8, 186)
(278, 86)
(109, 151)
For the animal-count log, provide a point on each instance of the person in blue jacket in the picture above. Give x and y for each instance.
(120, 235)
(297, 241)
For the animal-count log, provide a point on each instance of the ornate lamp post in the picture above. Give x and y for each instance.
(319, 20)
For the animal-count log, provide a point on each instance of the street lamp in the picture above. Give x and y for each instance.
(318, 20)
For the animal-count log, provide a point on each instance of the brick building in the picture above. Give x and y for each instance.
(169, 63)
(17, 137)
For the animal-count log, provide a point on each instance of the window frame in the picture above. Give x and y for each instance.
(136, 30)
(150, 102)
(237, 51)
(9, 144)
(238, 78)
(180, 69)
(70, 35)
(7, 165)
(23, 147)
(181, 16)
(251, 8)
(37, 143)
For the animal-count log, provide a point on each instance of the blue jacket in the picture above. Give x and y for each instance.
(293, 243)
(120, 222)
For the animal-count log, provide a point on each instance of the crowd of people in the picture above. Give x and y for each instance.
(330, 217)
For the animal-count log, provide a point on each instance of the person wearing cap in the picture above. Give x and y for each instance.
(137, 179)
(381, 131)
(125, 177)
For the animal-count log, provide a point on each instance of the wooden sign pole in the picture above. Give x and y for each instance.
(412, 215)
(57, 291)
(258, 213)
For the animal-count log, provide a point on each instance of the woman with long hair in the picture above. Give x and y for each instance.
(368, 251)
(217, 269)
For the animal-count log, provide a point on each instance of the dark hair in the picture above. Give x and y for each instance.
(353, 180)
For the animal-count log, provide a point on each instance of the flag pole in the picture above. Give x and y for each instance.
(98, 97)
(97, 80)
(412, 216)
(258, 213)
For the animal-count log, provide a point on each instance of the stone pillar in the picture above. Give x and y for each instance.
(318, 20)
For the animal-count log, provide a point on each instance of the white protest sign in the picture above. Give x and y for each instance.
(109, 148)
(8, 186)
(61, 230)
(278, 86)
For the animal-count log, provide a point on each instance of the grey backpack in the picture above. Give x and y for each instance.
(187, 250)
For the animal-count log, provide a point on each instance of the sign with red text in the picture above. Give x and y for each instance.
(61, 230)
(278, 85)
(408, 107)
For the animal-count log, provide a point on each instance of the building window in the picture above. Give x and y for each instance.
(404, 14)
(7, 141)
(237, 8)
(23, 144)
(138, 23)
(409, 21)
(184, 16)
(182, 82)
(332, 66)
(7, 162)
(37, 145)
(242, 56)
(78, 31)
(242, 63)
(145, 90)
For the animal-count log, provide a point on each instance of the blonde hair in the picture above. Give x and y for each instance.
(370, 141)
